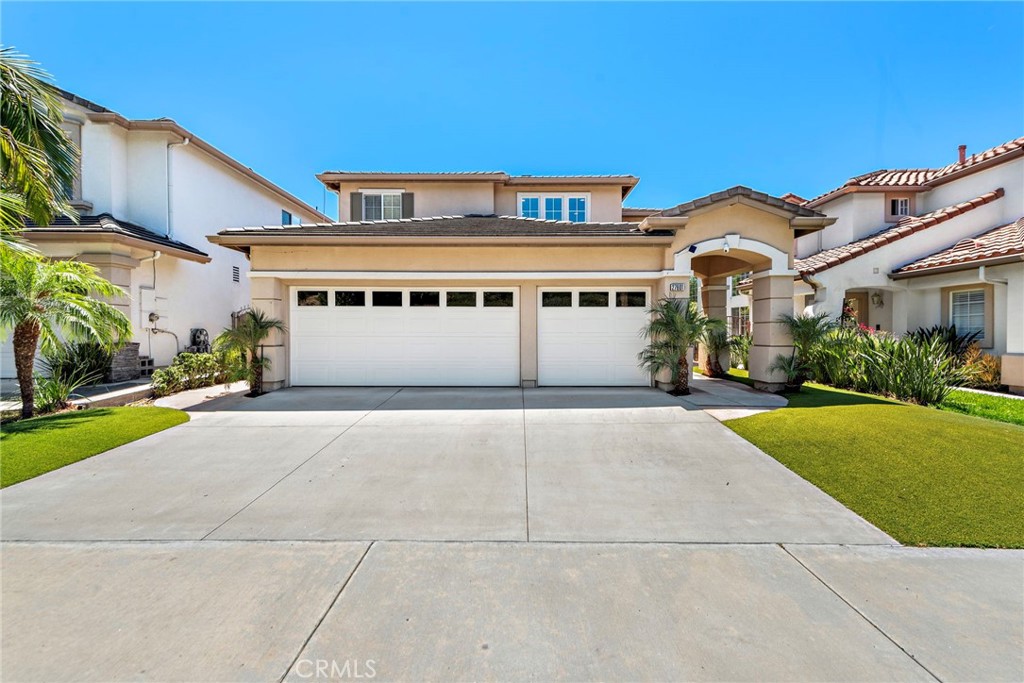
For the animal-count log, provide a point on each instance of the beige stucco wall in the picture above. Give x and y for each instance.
(430, 198)
(459, 258)
(750, 222)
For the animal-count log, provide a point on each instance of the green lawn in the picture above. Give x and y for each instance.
(1000, 408)
(32, 447)
(925, 476)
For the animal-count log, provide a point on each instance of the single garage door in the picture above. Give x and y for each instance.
(348, 336)
(591, 337)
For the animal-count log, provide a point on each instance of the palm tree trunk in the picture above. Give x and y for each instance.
(683, 380)
(26, 337)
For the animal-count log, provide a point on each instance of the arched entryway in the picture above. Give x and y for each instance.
(733, 232)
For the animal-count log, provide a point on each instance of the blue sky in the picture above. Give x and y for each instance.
(692, 98)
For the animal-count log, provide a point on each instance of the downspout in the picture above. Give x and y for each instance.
(814, 284)
(984, 277)
(170, 187)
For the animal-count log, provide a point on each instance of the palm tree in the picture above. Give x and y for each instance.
(246, 338)
(715, 341)
(808, 333)
(38, 159)
(675, 326)
(45, 300)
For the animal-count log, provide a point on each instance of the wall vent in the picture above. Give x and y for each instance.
(236, 274)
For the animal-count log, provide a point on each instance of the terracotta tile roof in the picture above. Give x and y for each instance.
(793, 198)
(924, 178)
(908, 225)
(105, 223)
(997, 243)
(740, 191)
(453, 226)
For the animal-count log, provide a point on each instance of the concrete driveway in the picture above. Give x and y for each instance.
(448, 534)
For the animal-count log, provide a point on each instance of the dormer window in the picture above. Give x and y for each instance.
(897, 206)
(553, 206)
(382, 205)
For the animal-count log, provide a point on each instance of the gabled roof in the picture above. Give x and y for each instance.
(908, 225)
(101, 114)
(741, 191)
(921, 179)
(793, 198)
(106, 225)
(998, 245)
(450, 226)
(331, 179)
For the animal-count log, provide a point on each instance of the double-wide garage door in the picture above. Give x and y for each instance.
(350, 336)
(404, 337)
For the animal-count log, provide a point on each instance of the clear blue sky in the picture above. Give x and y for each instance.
(692, 98)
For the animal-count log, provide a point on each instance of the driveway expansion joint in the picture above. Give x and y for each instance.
(859, 612)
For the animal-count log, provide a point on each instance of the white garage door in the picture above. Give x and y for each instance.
(591, 337)
(347, 336)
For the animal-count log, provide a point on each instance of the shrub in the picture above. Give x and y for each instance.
(191, 371)
(739, 345)
(910, 369)
(66, 361)
(981, 371)
(56, 391)
(957, 343)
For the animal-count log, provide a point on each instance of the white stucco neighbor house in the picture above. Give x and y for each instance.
(914, 248)
(148, 192)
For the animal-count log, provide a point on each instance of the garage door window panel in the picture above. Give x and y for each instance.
(425, 299)
(350, 298)
(556, 299)
(460, 299)
(312, 297)
(387, 299)
(593, 299)
(499, 299)
(631, 299)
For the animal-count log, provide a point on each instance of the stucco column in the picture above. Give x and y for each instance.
(772, 297)
(715, 299)
(1012, 362)
(271, 296)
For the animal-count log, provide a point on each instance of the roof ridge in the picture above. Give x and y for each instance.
(906, 226)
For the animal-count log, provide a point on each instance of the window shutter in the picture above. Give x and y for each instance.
(407, 208)
(356, 206)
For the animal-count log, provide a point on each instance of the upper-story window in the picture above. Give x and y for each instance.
(73, 192)
(384, 205)
(286, 217)
(897, 206)
(555, 206)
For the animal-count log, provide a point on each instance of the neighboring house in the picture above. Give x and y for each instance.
(921, 247)
(148, 192)
(492, 279)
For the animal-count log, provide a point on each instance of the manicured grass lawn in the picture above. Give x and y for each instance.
(32, 447)
(999, 408)
(924, 476)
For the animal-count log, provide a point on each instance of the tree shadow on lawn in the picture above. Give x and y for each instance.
(820, 396)
(46, 423)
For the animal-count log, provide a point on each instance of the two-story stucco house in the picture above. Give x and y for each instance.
(148, 192)
(496, 279)
(920, 247)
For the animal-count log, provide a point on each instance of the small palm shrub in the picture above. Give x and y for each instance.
(65, 360)
(56, 391)
(739, 345)
(792, 368)
(981, 371)
(921, 371)
(715, 341)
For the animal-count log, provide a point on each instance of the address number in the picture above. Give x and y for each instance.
(678, 286)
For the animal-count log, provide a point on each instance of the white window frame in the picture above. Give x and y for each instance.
(375, 191)
(952, 310)
(564, 196)
(902, 206)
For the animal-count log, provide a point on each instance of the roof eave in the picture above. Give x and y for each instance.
(845, 190)
(235, 241)
(955, 267)
(77, 234)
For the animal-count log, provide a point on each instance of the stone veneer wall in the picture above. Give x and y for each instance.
(125, 363)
